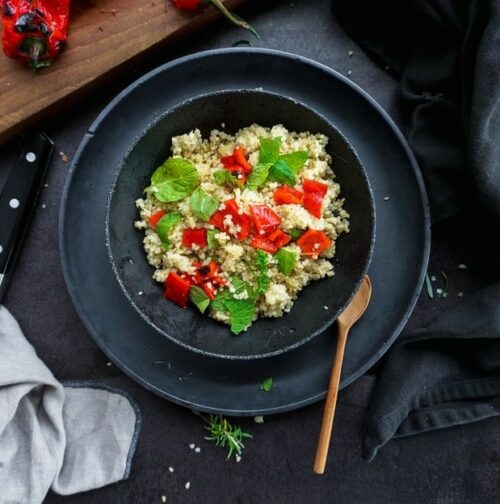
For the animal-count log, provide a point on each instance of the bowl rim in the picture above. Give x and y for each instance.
(333, 316)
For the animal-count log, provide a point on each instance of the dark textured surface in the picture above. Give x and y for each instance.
(236, 109)
(459, 465)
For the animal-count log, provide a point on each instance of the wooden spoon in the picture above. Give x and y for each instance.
(345, 321)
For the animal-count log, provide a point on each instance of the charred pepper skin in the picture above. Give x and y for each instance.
(34, 30)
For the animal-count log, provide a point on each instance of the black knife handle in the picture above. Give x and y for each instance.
(18, 200)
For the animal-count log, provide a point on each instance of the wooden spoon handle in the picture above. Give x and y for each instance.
(330, 404)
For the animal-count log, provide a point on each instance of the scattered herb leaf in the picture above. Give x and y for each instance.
(165, 224)
(211, 240)
(199, 298)
(202, 204)
(175, 179)
(295, 160)
(296, 233)
(269, 150)
(428, 284)
(226, 435)
(286, 260)
(259, 175)
(263, 280)
(266, 385)
(281, 172)
(223, 177)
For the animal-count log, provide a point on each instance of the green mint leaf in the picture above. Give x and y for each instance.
(199, 298)
(263, 280)
(266, 385)
(269, 150)
(281, 172)
(165, 224)
(286, 260)
(259, 175)
(295, 160)
(202, 204)
(296, 233)
(175, 179)
(223, 177)
(241, 313)
(211, 240)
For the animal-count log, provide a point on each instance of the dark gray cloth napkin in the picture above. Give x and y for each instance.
(446, 54)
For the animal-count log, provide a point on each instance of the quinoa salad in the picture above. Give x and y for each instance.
(240, 224)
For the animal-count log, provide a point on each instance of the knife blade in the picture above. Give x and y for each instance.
(18, 200)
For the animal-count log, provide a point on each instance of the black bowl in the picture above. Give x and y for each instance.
(197, 332)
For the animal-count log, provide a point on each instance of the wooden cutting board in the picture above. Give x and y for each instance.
(104, 36)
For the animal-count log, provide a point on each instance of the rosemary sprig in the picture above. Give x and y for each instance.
(224, 434)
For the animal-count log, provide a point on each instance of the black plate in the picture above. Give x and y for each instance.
(232, 387)
(317, 306)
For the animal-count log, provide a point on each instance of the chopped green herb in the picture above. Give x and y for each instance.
(211, 240)
(428, 284)
(266, 385)
(295, 160)
(199, 298)
(446, 285)
(175, 179)
(223, 434)
(281, 172)
(202, 204)
(263, 280)
(165, 224)
(286, 260)
(259, 175)
(269, 150)
(296, 233)
(223, 177)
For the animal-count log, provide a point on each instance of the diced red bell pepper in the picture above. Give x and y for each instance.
(279, 238)
(314, 194)
(264, 219)
(209, 290)
(245, 222)
(177, 289)
(240, 158)
(313, 242)
(265, 244)
(195, 236)
(232, 209)
(286, 195)
(228, 161)
(155, 218)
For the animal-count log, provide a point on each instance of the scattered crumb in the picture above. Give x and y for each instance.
(170, 469)
(433, 278)
(164, 498)
(222, 125)
(349, 72)
(238, 458)
(387, 67)
(258, 419)
(460, 294)
(325, 307)
(44, 205)
(109, 364)
(63, 156)
(386, 198)
(439, 291)
(350, 52)
(191, 445)
(140, 293)
(45, 185)
(462, 266)
(187, 485)
(197, 449)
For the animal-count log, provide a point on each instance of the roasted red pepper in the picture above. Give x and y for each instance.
(288, 195)
(207, 277)
(313, 242)
(195, 236)
(177, 289)
(155, 218)
(35, 30)
(264, 218)
(280, 238)
(193, 5)
(259, 242)
(314, 194)
(237, 164)
(237, 216)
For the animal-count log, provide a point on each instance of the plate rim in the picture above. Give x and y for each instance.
(298, 58)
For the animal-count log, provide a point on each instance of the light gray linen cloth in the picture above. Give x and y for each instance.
(70, 438)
